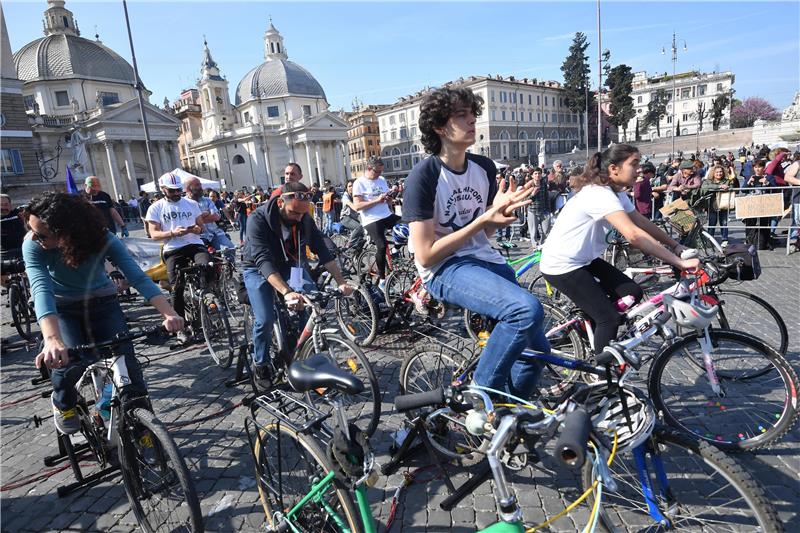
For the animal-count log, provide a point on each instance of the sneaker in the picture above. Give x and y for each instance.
(420, 305)
(382, 284)
(724, 244)
(67, 421)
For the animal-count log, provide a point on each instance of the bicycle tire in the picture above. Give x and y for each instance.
(292, 483)
(144, 447)
(216, 330)
(428, 369)
(688, 498)
(352, 359)
(357, 316)
(706, 244)
(543, 290)
(230, 295)
(367, 266)
(766, 420)
(398, 281)
(20, 311)
(763, 318)
(276, 345)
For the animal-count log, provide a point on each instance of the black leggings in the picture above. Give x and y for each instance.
(595, 288)
(198, 254)
(377, 232)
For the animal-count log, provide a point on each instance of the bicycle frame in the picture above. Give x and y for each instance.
(98, 371)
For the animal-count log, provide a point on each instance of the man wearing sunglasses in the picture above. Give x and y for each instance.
(275, 260)
(177, 221)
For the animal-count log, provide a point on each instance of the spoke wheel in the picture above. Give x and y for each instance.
(357, 316)
(216, 330)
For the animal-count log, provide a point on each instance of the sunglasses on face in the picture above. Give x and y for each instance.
(303, 196)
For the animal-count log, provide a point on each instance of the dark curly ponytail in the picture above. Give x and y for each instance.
(596, 171)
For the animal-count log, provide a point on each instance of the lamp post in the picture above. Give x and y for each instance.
(674, 98)
(586, 120)
(599, 82)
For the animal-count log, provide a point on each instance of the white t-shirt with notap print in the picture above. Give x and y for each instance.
(579, 234)
(173, 215)
(370, 190)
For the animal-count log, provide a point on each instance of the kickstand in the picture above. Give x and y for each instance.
(409, 448)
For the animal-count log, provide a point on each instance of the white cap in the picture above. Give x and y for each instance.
(170, 181)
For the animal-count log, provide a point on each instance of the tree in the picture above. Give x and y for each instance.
(576, 76)
(678, 129)
(620, 85)
(718, 109)
(636, 135)
(701, 115)
(656, 109)
(751, 109)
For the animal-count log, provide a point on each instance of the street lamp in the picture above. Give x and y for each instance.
(674, 98)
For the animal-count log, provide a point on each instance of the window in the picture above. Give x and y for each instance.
(494, 115)
(685, 117)
(403, 118)
(537, 99)
(502, 115)
(492, 95)
(545, 117)
(393, 135)
(503, 97)
(413, 131)
(719, 87)
(638, 99)
(238, 160)
(369, 142)
(554, 117)
(513, 115)
(669, 119)
(538, 117)
(306, 110)
(109, 98)
(10, 162)
(545, 100)
(530, 98)
(686, 92)
(513, 98)
(530, 116)
(701, 90)
(30, 101)
(62, 98)
(413, 115)
(403, 132)
(391, 120)
(272, 111)
(246, 117)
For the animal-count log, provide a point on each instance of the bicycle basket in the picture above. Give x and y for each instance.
(680, 216)
(608, 416)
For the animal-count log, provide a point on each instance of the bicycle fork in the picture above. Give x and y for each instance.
(706, 346)
(646, 483)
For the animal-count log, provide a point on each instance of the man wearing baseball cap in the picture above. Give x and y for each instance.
(686, 182)
(103, 202)
(177, 221)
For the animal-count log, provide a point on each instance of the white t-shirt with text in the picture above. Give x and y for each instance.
(173, 215)
(579, 235)
(370, 190)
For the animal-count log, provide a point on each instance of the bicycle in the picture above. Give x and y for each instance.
(19, 298)
(205, 313)
(155, 477)
(295, 338)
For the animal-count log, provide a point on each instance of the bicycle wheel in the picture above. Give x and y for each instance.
(216, 330)
(543, 290)
(706, 245)
(340, 239)
(397, 283)
(429, 369)
(155, 477)
(276, 347)
(20, 311)
(566, 343)
(695, 487)
(751, 410)
(745, 312)
(230, 294)
(366, 265)
(363, 409)
(357, 315)
(288, 464)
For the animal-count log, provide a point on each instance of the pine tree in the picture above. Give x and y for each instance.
(656, 109)
(718, 110)
(678, 129)
(576, 77)
(620, 85)
(636, 135)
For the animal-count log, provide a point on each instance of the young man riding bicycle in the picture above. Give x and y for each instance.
(453, 205)
(275, 260)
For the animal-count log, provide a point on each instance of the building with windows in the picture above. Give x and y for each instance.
(691, 90)
(363, 137)
(520, 117)
(81, 100)
(18, 169)
(187, 110)
(279, 115)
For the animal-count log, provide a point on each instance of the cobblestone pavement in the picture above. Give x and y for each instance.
(186, 385)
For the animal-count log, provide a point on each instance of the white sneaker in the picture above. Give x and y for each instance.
(724, 244)
(381, 284)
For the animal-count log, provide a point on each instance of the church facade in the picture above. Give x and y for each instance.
(279, 115)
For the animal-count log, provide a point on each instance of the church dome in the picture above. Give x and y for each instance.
(277, 77)
(65, 56)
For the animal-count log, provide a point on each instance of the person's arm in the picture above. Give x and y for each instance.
(791, 176)
(360, 204)
(333, 267)
(654, 231)
(644, 241)
(262, 256)
(157, 234)
(117, 218)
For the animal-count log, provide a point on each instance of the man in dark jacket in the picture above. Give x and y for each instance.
(275, 259)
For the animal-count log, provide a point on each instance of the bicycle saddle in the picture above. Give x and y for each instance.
(319, 372)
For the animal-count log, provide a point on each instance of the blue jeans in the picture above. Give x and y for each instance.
(328, 220)
(242, 228)
(720, 216)
(793, 234)
(94, 320)
(491, 289)
(220, 241)
(262, 301)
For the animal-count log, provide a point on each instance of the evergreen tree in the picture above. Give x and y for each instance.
(656, 110)
(620, 85)
(718, 109)
(576, 77)
(636, 135)
(678, 129)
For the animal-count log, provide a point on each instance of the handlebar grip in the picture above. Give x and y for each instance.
(407, 402)
(571, 445)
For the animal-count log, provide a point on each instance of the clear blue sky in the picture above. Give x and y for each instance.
(381, 51)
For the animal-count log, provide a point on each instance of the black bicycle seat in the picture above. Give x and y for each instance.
(319, 372)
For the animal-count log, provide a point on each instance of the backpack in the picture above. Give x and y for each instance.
(748, 266)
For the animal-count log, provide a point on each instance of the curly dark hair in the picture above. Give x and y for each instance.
(78, 226)
(438, 107)
(596, 170)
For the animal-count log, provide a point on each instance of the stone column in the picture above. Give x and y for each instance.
(319, 166)
(176, 155)
(126, 150)
(343, 148)
(157, 168)
(112, 167)
(308, 164)
(265, 153)
(338, 158)
(162, 157)
(90, 153)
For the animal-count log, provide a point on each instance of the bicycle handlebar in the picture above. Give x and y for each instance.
(12, 266)
(75, 352)
(572, 443)
(408, 402)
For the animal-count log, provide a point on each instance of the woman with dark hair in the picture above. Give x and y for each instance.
(75, 300)
(571, 255)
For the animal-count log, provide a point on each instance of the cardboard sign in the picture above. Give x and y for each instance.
(759, 205)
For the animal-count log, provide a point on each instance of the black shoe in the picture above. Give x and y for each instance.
(263, 377)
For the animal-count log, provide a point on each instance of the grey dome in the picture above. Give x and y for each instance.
(277, 77)
(64, 56)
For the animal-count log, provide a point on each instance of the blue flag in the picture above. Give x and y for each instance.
(71, 188)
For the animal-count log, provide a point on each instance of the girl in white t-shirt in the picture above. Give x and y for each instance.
(571, 255)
